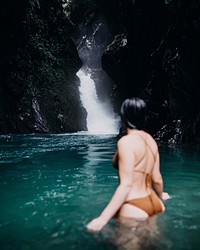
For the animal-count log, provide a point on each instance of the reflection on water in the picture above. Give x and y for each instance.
(52, 185)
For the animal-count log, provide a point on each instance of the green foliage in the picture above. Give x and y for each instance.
(37, 49)
(46, 34)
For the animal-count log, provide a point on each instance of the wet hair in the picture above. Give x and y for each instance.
(133, 113)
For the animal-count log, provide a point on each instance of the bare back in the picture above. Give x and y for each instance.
(144, 150)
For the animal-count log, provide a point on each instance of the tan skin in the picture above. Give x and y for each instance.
(130, 150)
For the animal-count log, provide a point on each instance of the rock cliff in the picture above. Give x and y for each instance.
(39, 61)
(154, 54)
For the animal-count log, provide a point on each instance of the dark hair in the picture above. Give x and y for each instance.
(133, 112)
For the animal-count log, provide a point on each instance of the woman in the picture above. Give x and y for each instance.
(137, 160)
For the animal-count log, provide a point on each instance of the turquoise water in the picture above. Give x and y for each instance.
(52, 185)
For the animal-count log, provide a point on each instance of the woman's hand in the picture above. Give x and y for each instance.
(165, 196)
(97, 224)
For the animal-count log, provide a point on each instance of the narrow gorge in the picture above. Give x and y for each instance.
(143, 48)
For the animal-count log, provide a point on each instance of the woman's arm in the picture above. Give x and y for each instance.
(115, 160)
(126, 162)
(157, 177)
(158, 180)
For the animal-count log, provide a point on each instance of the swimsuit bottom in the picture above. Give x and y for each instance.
(151, 204)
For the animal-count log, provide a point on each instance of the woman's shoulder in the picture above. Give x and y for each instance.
(150, 138)
(130, 141)
(151, 142)
(128, 137)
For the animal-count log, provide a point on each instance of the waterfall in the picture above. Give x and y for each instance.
(100, 119)
(91, 41)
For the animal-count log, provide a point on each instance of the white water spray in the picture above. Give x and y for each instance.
(99, 118)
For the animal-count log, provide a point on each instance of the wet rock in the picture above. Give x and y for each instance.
(39, 62)
(160, 63)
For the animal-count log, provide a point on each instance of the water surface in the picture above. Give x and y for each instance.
(52, 185)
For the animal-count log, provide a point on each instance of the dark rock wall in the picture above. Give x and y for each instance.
(39, 61)
(156, 56)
